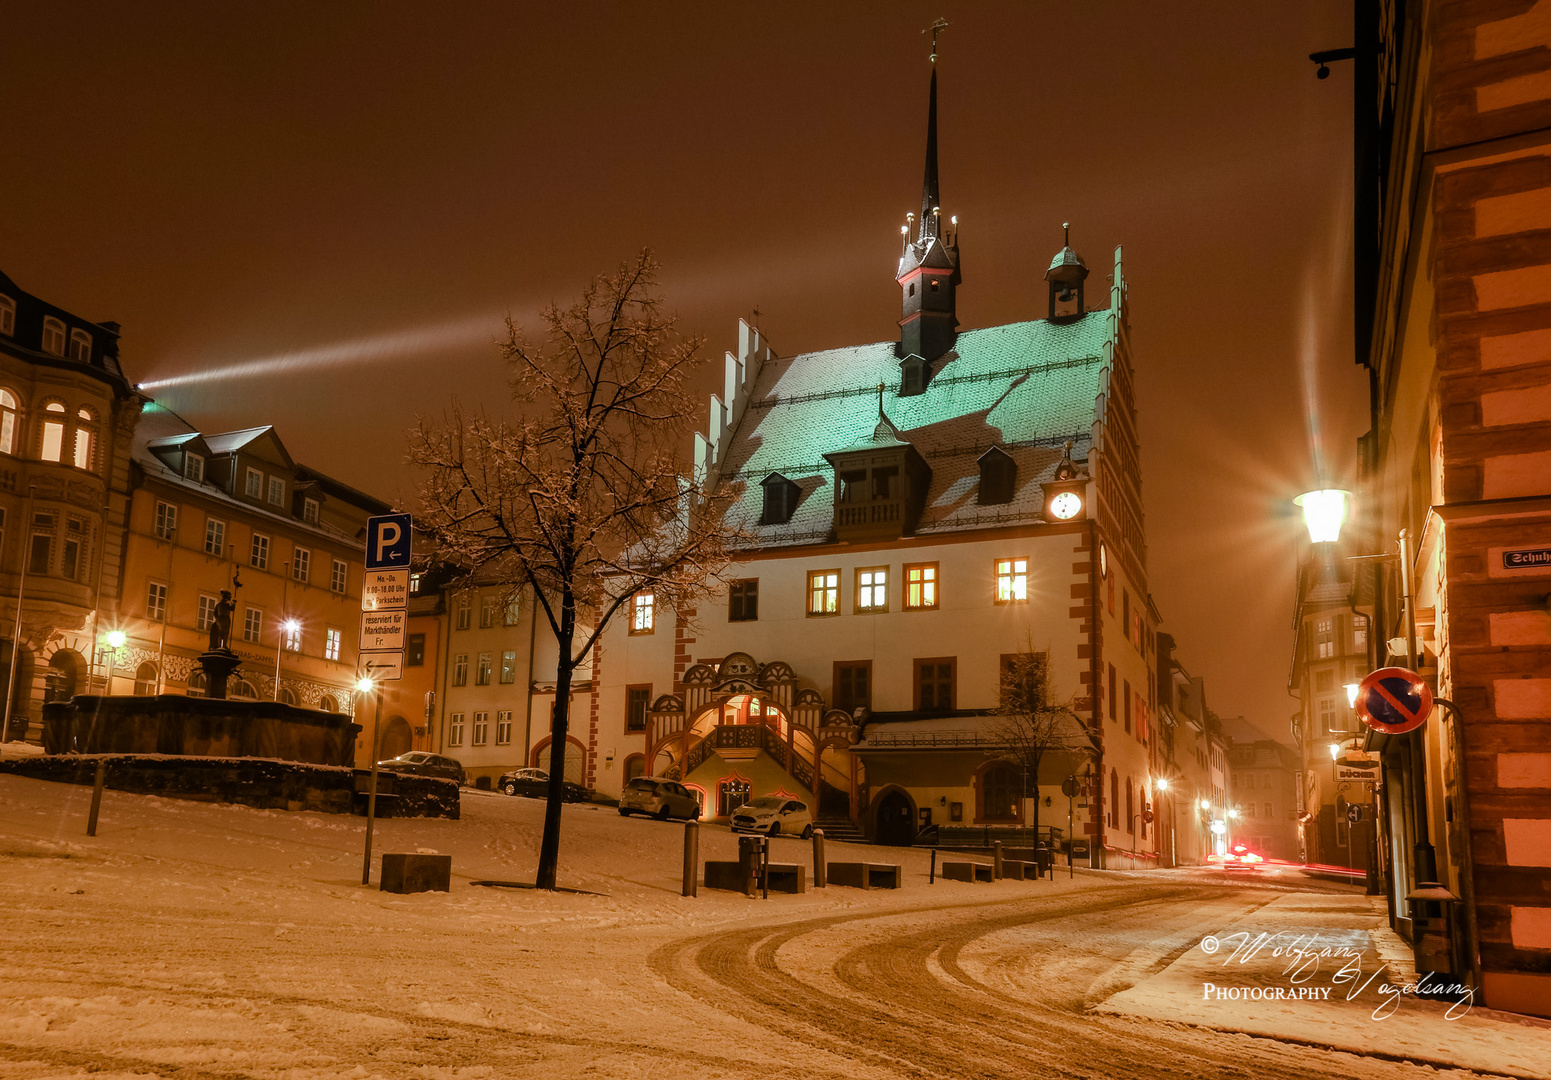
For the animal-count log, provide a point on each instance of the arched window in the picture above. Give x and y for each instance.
(635, 765)
(7, 422)
(1001, 786)
(7, 316)
(287, 696)
(145, 679)
(80, 346)
(242, 688)
(1130, 807)
(1114, 798)
(85, 438)
(53, 444)
(196, 684)
(328, 704)
(53, 336)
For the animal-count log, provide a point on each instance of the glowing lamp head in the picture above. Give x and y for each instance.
(1335, 751)
(1205, 804)
(1351, 689)
(1163, 783)
(116, 638)
(1324, 512)
(291, 626)
(1234, 813)
(365, 686)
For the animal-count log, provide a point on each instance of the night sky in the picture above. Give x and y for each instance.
(339, 202)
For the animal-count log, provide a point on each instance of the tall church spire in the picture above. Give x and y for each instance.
(928, 266)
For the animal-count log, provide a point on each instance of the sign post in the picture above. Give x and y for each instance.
(384, 627)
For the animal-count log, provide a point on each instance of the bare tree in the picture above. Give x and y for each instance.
(580, 496)
(1028, 725)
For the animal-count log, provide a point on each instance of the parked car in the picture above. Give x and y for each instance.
(773, 815)
(420, 763)
(534, 784)
(659, 798)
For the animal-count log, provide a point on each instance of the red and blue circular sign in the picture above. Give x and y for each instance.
(1394, 700)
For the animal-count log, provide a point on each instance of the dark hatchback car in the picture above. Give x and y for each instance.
(420, 763)
(534, 784)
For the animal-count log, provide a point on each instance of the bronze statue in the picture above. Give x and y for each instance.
(221, 623)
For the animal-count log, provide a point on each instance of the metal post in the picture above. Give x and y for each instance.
(764, 865)
(691, 858)
(280, 632)
(1425, 858)
(16, 634)
(820, 868)
(371, 793)
(931, 875)
(102, 776)
(1071, 838)
(996, 860)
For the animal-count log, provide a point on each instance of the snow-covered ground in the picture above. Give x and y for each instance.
(206, 940)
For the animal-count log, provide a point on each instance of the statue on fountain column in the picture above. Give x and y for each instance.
(221, 623)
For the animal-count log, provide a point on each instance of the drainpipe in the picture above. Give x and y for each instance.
(16, 634)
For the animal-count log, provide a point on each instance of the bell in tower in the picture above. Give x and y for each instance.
(1065, 277)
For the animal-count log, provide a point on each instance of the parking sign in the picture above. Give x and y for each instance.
(387, 542)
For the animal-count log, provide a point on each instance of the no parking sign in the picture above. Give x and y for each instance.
(1394, 700)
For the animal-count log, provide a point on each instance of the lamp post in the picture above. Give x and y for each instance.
(287, 628)
(1163, 788)
(366, 686)
(115, 640)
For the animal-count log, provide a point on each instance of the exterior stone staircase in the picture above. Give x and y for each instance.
(839, 828)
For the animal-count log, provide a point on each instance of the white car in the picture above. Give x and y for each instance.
(773, 816)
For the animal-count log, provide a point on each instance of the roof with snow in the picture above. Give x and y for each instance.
(1028, 388)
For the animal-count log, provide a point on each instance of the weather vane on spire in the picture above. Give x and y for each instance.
(940, 24)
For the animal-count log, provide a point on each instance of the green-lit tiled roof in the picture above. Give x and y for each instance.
(1027, 387)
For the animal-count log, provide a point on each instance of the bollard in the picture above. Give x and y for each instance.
(819, 875)
(931, 875)
(102, 776)
(691, 858)
(764, 864)
(996, 861)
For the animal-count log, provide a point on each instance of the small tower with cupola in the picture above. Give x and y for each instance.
(1065, 279)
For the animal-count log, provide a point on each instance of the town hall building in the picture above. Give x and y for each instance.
(923, 509)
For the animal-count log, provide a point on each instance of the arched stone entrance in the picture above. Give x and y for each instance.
(396, 737)
(575, 759)
(894, 820)
(63, 675)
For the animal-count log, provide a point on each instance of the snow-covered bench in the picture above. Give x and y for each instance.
(784, 877)
(412, 872)
(966, 871)
(865, 875)
(1020, 871)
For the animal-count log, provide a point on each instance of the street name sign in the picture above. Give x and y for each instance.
(388, 542)
(1394, 700)
(384, 590)
(1526, 559)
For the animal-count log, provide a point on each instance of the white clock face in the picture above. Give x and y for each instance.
(1066, 505)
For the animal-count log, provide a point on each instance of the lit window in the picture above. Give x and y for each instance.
(53, 433)
(85, 436)
(509, 666)
(310, 511)
(920, 586)
(7, 315)
(460, 669)
(258, 555)
(482, 673)
(7, 422)
(53, 336)
(276, 491)
(512, 611)
(254, 488)
(332, 640)
(166, 521)
(206, 614)
(455, 729)
(194, 467)
(156, 602)
(489, 610)
(80, 346)
(337, 576)
(293, 636)
(643, 617)
(301, 564)
(215, 537)
(481, 728)
(823, 592)
(503, 727)
(252, 624)
(1012, 580)
(872, 589)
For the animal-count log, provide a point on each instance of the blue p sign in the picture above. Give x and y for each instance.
(387, 542)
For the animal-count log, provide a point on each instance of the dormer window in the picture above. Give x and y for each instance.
(194, 467)
(998, 477)
(253, 484)
(310, 511)
(80, 346)
(912, 376)
(780, 499)
(7, 316)
(276, 491)
(53, 336)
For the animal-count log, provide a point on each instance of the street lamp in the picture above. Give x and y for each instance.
(1351, 689)
(365, 685)
(1324, 512)
(115, 640)
(287, 629)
